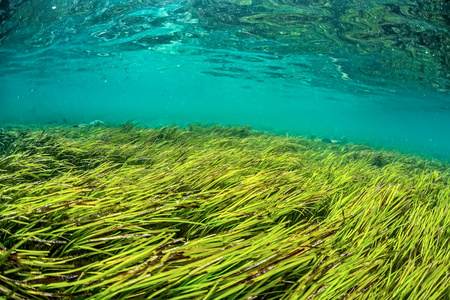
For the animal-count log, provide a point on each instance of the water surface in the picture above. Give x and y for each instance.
(374, 72)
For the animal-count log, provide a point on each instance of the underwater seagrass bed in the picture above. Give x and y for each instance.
(210, 212)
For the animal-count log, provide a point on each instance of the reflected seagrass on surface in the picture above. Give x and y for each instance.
(404, 42)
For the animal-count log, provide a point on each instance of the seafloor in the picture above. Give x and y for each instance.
(210, 212)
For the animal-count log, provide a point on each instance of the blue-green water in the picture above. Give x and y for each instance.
(374, 72)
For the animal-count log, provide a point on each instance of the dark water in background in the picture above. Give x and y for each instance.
(374, 71)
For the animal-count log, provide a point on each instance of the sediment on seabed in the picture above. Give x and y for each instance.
(216, 213)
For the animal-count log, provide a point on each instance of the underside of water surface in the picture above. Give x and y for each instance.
(224, 149)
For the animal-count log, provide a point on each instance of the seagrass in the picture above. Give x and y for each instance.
(211, 212)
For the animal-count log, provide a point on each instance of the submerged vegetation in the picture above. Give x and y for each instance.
(217, 213)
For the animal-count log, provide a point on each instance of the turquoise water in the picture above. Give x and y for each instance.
(374, 72)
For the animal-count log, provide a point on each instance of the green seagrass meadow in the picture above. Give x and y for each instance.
(211, 212)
